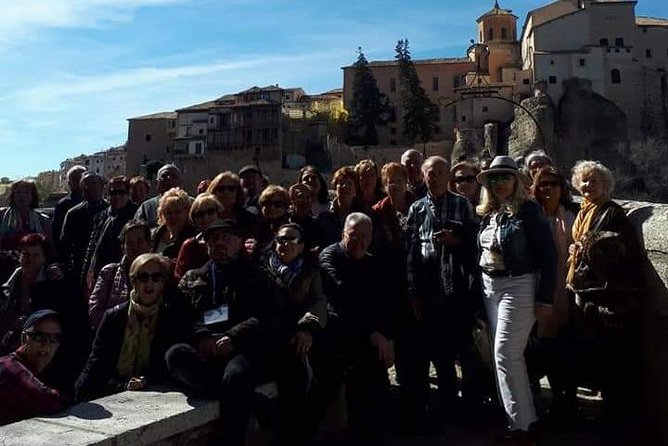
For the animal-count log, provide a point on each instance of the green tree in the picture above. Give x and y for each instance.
(420, 114)
(368, 108)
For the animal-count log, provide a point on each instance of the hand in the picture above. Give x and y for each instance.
(136, 383)
(301, 344)
(384, 347)
(545, 320)
(206, 347)
(224, 347)
(54, 272)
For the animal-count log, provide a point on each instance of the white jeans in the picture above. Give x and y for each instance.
(509, 302)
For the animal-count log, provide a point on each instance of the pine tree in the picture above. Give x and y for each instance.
(420, 114)
(368, 108)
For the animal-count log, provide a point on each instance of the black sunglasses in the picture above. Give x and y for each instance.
(154, 277)
(226, 188)
(274, 203)
(203, 212)
(465, 179)
(43, 338)
(288, 240)
(553, 183)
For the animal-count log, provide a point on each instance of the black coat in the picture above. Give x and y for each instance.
(100, 376)
(77, 231)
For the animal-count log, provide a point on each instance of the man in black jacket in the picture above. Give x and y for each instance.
(66, 203)
(364, 322)
(235, 312)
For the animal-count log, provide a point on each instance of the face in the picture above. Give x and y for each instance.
(592, 186)
(536, 164)
(465, 183)
(138, 193)
(437, 177)
(32, 258)
(396, 185)
(302, 200)
(226, 192)
(175, 216)
(223, 246)
(41, 342)
(414, 166)
(502, 185)
(92, 188)
(274, 207)
(135, 244)
(167, 179)
(549, 189)
(118, 196)
(345, 191)
(250, 182)
(74, 181)
(289, 245)
(204, 216)
(356, 239)
(368, 179)
(311, 180)
(22, 196)
(149, 283)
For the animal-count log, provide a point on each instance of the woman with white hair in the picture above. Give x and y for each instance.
(605, 273)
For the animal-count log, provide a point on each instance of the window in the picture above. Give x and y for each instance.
(148, 137)
(287, 97)
(455, 82)
(644, 29)
(648, 53)
(582, 62)
(485, 109)
(463, 118)
(525, 81)
(553, 79)
(435, 84)
(603, 42)
(490, 34)
(619, 42)
(393, 85)
(504, 33)
(481, 36)
(201, 131)
(393, 115)
(211, 120)
(393, 130)
(615, 76)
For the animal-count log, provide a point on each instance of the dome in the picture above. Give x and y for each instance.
(496, 11)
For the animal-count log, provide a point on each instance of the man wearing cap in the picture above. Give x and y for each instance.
(234, 310)
(169, 176)
(251, 182)
(24, 395)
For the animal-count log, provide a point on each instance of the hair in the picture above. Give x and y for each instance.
(203, 186)
(470, 165)
(581, 167)
(140, 180)
(566, 199)
(298, 186)
(240, 198)
(356, 218)
(34, 201)
(343, 173)
(168, 167)
(144, 259)
(429, 162)
(390, 169)
(205, 199)
(296, 227)
(135, 224)
(537, 154)
(274, 190)
(120, 179)
(34, 239)
(74, 169)
(489, 203)
(410, 153)
(363, 165)
(323, 194)
(174, 196)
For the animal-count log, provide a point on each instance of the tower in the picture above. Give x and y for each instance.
(497, 25)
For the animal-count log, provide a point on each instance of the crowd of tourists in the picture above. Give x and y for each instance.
(489, 271)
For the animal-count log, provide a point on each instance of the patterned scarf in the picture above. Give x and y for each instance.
(582, 225)
(139, 332)
(11, 224)
(284, 274)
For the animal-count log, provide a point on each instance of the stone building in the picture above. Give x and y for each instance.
(150, 140)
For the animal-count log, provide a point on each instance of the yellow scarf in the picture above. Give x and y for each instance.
(135, 354)
(582, 225)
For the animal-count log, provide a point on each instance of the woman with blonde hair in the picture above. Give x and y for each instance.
(368, 183)
(518, 262)
(173, 225)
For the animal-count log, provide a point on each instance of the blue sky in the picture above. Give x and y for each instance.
(73, 71)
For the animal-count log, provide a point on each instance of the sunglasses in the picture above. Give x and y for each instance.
(154, 277)
(117, 192)
(499, 178)
(203, 212)
(288, 240)
(232, 188)
(465, 179)
(43, 338)
(543, 184)
(274, 203)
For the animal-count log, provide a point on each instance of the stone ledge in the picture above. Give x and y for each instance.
(128, 418)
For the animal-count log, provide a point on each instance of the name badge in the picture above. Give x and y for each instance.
(216, 316)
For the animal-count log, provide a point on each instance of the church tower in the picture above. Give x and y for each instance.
(497, 29)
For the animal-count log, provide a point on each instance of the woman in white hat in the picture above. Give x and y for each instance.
(518, 261)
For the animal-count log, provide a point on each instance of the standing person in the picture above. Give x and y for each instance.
(139, 189)
(311, 176)
(518, 259)
(535, 161)
(78, 228)
(66, 203)
(301, 212)
(130, 345)
(24, 393)
(364, 320)
(274, 202)
(174, 226)
(251, 182)
(463, 181)
(113, 284)
(605, 273)
(368, 181)
(169, 176)
(442, 232)
(412, 160)
(345, 201)
(21, 218)
(235, 310)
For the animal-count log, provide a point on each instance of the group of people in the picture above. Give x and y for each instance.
(320, 287)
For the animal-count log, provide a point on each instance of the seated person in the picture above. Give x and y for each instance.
(129, 349)
(24, 394)
(235, 311)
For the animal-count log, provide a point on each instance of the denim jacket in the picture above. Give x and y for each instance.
(528, 246)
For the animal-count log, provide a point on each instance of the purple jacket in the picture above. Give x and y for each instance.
(111, 289)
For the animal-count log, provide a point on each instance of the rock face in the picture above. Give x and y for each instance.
(466, 145)
(525, 135)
